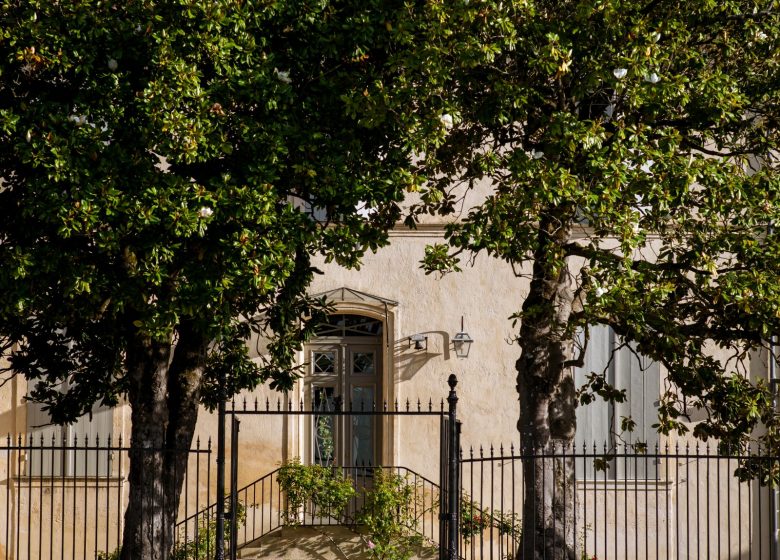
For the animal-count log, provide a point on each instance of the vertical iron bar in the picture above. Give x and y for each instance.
(452, 513)
(219, 538)
(739, 501)
(29, 495)
(565, 477)
(208, 501)
(443, 466)
(481, 499)
(698, 504)
(543, 499)
(119, 494)
(262, 503)
(18, 494)
(40, 500)
(759, 491)
(471, 501)
(513, 541)
(97, 491)
(718, 502)
(254, 510)
(728, 505)
(666, 496)
(492, 493)
(86, 493)
(234, 424)
(615, 491)
(750, 517)
(709, 491)
(108, 491)
(197, 495)
(574, 493)
(688, 532)
(625, 505)
(66, 464)
(636, 505)
(657, 461)
(606, 502)
(595, 502)
(51, 498)
(647, 507)
(551, 451)
(8, 496)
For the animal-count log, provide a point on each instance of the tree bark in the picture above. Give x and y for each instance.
(546, 391)
(164, 390)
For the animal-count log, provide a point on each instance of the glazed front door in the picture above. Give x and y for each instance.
(344, 373)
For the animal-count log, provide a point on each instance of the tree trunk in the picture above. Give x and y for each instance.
(547, 420)
(164, 387)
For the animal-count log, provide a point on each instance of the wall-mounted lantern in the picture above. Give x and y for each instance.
(420, 341)
(462, 342)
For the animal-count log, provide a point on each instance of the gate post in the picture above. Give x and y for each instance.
(453, 484)
(234, 424)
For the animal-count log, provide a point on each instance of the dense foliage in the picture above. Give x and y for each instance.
(313, 489)
(167, 170)
(631, 152)
(156, 157)
(624, 159)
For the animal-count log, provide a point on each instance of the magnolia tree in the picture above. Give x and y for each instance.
(631, 152)
(158, 164)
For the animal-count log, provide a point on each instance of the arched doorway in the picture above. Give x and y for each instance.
(344, 363)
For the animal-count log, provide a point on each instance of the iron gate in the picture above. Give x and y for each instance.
(449, 484)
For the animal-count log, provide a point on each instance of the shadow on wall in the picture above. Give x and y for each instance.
(409, 361)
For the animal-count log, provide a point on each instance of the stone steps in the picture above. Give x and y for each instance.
(332, 542)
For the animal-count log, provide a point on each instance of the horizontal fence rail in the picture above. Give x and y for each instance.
(66, 500)
(667, 503)
(339, 407)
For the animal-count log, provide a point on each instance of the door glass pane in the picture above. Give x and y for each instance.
(323, 363)
(362, 444)
(349, 325)
(363, 363)
(324, 426)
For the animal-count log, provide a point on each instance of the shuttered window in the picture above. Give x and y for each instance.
(599, 422)
(69, 450)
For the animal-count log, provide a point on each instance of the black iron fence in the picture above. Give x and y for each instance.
(691, 506)
(65, 500)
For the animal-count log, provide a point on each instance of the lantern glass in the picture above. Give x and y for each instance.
(462, 344)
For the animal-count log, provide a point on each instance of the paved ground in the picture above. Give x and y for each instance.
(308, 543)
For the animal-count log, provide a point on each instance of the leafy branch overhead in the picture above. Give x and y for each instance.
(624, 156)
(163, 164)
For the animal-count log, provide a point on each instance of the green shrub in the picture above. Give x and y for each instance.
(325, 488)
(388, 517)
(474, 519)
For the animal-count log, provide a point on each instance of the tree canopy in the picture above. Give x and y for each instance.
(631, 149)
(168, 170)
(158, 159)
(630, 153)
